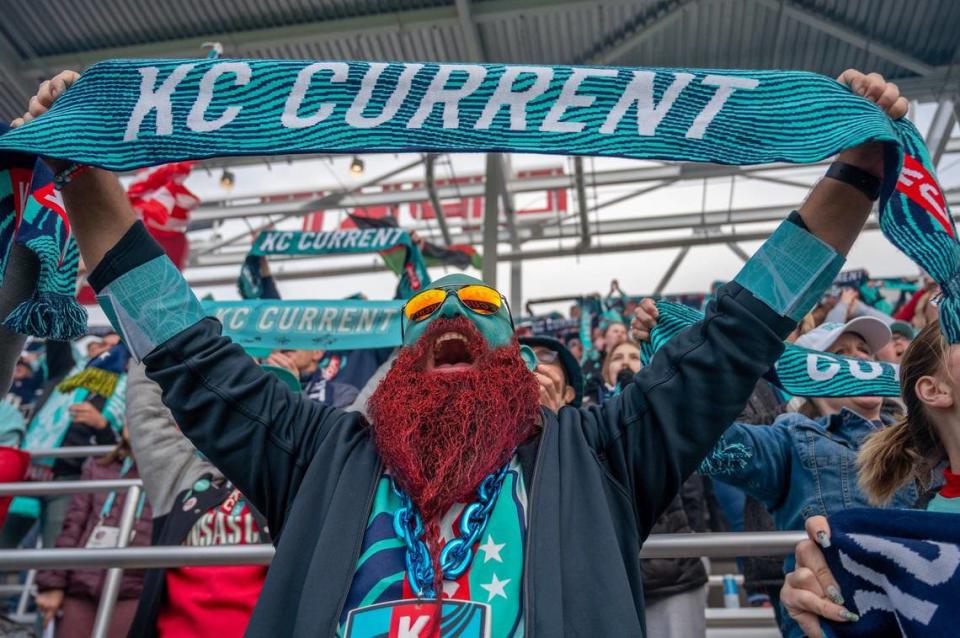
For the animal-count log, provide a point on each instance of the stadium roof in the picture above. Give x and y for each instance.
(915, 42)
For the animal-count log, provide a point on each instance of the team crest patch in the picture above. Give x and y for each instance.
(415, 619)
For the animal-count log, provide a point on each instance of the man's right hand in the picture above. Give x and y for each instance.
(810, 591)
(46, 95)
(49, 603)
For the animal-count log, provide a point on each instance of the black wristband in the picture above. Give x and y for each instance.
(865, 182)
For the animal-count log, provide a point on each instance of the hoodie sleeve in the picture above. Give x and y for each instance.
(260, 434)
(654, 434)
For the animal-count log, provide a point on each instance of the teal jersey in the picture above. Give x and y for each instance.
(493, 579)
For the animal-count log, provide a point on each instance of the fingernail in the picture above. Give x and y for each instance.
(823, 539)
(862, 91)
(849, 616)
(834, 594)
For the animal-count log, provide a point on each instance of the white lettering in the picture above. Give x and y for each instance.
(304, 242)
(283, 241)
(151, 99)
(267, 319)
(355, 115)
(288, 316)
(195, 120)
(726, 85)
(906, 605)
(821, 375)
(387, 318)
(873, 370)
(640, 92)
(306, 320)
(266, 241)
(406, 630)
(365, 237)
(437, 93)
(569, 98)
(345, 319)
(239, 318)
(326, 322)
(933, 572)
(367, 318)
(504, 95)
(291, 118)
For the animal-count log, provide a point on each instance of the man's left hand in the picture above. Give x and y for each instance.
(887, 96)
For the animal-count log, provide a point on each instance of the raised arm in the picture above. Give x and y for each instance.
(259, 433)
(656, 433)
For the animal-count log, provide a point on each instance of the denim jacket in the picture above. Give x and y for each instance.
(799, 467)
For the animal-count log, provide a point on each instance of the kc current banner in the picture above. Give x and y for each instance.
(124, 114)
(413, 273)
(343, 324)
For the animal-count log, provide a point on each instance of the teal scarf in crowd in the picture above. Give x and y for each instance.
(123, 114)
(799, 371)
(413, 273)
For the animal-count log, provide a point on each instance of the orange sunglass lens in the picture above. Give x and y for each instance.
(480, 299)
(424, 304)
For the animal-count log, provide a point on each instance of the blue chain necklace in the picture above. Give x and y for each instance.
(458, 552)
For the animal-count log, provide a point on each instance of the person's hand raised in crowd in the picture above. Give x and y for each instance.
(86, 414)
(644, 320)
(551, 386)
(282, 360)
(849, 296)
(810, 591)
(49, 603)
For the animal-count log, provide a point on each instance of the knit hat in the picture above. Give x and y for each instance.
(101, 374)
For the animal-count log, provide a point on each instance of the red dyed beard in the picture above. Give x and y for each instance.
(440, 434)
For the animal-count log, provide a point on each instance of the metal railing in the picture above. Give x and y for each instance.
(111, 585)
(115, 560)
(70, 452)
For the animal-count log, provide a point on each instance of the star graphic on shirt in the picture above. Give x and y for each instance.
(450, 588)
(491, 551)
(495, 588)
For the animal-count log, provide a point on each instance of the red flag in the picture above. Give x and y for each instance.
(164, 204)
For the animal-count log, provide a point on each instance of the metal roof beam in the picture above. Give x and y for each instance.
(304, 32)
(844, 32)
(530, 232)
(578, 183)
(431, 185)
(218, 211)
(197, 280)
(944, 119)
(470, 33)
(651, 22)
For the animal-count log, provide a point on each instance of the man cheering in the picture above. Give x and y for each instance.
(459, 488)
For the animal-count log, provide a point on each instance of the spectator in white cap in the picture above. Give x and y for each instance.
(804, 464)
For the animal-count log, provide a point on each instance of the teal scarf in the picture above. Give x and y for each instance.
(413, 272)
(32, 215)
(799, 371)
(161, 111)
(271, 324)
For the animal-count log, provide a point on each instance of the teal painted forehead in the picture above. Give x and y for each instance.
(456, 279)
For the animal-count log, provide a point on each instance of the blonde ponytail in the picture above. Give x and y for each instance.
(910, 448)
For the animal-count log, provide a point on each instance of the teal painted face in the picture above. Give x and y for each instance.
(496, 328)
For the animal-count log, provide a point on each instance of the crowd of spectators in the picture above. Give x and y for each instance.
(90, 392)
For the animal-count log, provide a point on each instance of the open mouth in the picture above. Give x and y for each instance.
(450, 353)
